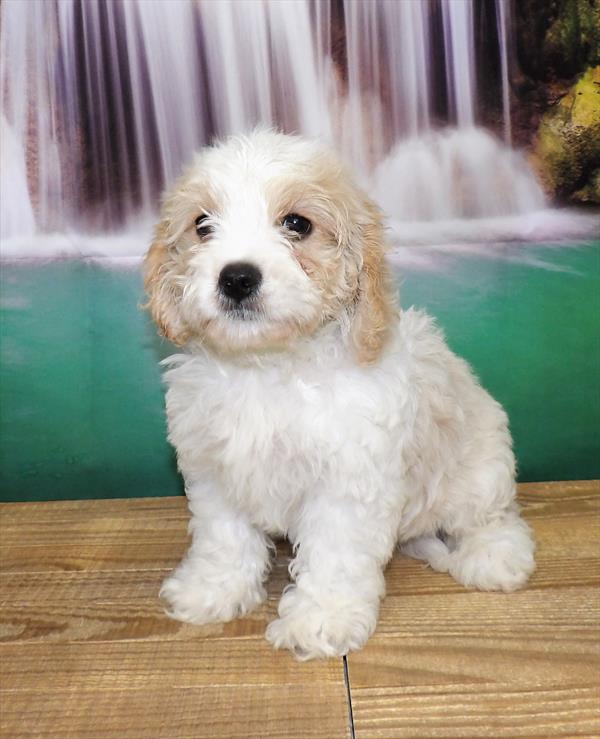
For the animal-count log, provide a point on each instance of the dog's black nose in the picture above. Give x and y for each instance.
(239, 280)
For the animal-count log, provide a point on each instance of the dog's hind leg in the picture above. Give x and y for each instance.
(430, 549)
(496, 555)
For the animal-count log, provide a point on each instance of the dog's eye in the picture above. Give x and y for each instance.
(298, 224)
(203, 228)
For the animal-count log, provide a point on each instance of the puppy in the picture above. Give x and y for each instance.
(307, 405)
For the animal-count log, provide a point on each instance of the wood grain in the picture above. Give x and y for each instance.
(86, 651)
(446, 662)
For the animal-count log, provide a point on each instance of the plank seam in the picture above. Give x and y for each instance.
(349, 697)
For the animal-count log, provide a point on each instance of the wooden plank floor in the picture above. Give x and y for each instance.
(85, 650)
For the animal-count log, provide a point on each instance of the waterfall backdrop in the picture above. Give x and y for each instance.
(105, 101)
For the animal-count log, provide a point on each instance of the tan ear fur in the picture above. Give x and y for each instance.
(160, 287)
(375, 305)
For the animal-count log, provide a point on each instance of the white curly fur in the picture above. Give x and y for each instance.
(285, 424)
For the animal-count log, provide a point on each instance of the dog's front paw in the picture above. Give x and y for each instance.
(197, 598)
(313, 630)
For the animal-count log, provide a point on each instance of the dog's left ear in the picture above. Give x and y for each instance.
(375, 305)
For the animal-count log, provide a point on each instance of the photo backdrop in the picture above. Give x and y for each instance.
(82, 402)
(475, 125)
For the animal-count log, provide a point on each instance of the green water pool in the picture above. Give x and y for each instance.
(81, 402)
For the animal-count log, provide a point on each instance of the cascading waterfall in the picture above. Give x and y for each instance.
(104, 101)
(421, 171)
(503, 31)
(460, 66)
(388, 91)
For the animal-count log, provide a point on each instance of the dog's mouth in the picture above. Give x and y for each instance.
(245, 312)
(250, 325)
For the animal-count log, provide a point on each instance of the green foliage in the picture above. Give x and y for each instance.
(557, 39)
(568, 142)
(573, 39)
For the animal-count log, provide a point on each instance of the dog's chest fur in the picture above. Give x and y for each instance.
(269, 433)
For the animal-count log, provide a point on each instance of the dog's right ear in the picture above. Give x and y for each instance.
(162, 289)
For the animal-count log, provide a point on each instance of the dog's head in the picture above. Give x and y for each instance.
(263, 240)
